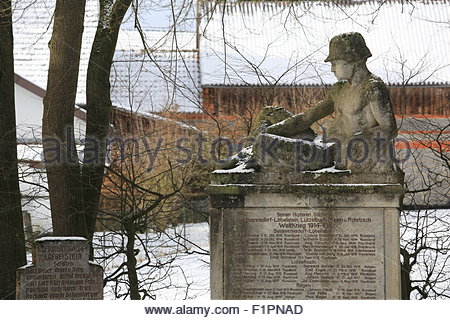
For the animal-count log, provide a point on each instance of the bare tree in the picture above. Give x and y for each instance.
(99, 104)
(141, 213)
(425, 222)
(12, 242)
(425, 257)
(142, 198)
(424, 155)
(63, 168)
(74, 192)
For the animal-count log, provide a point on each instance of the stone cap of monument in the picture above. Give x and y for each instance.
(41, 245)
(278, 176)
(310, 189)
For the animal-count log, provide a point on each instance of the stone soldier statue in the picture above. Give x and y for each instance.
(360, 135)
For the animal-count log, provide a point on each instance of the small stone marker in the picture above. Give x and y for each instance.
(61, 270)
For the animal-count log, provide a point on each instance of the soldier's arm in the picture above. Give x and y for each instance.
(301, 122)
(383, 111)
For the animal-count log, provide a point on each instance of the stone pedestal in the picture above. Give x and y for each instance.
(305, 236)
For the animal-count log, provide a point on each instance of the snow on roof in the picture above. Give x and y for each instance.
(157, 15)
(285, 43)
(32, 26)
(142, 85)
(60, 239)
(157, 117)
(150, 86)
(130, 40)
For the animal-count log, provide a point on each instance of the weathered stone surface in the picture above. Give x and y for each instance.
(290, 253)
(360, 136)
(319, 219)
(295, 154)
(271, 115)
(61, 270)
(348, 47)
(286, 177)
(305, 240)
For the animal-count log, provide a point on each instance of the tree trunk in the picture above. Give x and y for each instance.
(130, 230)
(99, 104)
(12, 241)
(406, 267)
(63, 169)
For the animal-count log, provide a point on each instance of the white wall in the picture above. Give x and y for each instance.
(29, 111)
(29, 108)
(35, 200)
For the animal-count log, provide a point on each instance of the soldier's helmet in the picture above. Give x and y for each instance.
(349, 47)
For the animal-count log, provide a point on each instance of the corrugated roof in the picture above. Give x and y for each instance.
(32, 26)
(285, 43)
(172, 82)
(150, 87)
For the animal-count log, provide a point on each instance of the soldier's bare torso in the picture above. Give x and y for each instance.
(352, 110)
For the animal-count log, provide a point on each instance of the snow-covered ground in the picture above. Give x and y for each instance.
(179, 268)
(189, 276)
(176, 275)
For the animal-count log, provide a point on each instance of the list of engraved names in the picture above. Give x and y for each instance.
(308, 255)
(61, 272)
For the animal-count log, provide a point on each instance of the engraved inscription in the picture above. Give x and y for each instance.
(61, 271)
(285, 254)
